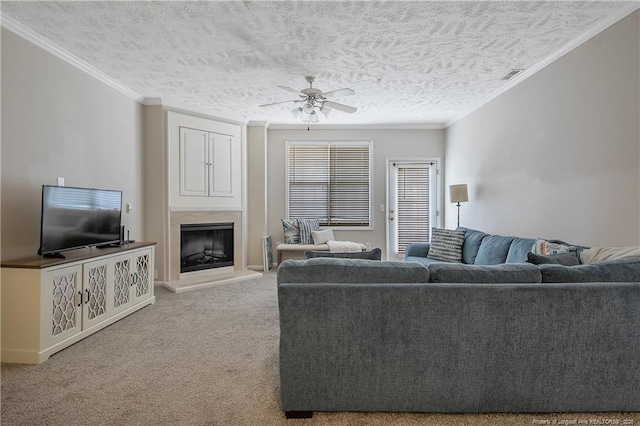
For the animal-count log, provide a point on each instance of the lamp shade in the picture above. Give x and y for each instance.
(458, 193)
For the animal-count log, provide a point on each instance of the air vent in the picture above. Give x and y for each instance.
(512, 74)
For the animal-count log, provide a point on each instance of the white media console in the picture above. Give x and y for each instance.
(49, 304)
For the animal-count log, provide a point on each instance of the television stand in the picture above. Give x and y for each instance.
(54, 256)
(49, 304)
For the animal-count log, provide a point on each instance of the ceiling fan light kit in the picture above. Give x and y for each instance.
(315, 100)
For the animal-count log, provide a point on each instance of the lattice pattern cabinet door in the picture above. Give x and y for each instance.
(141, 277)
(61, 300)
(119, 295)
(94, 293)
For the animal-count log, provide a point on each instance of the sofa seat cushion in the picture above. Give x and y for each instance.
(351, 271)
(621, 270)
(484, 274)
(423, 260)
(493, 250)
(518, 250)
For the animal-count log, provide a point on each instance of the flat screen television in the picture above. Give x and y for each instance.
(74, 218)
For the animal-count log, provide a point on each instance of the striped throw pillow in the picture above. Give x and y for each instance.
(306, 226)
(446, 245)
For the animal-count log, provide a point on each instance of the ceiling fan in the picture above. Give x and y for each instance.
(314, 100)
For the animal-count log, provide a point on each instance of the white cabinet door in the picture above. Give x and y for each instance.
(194, 162)
(141, 282)
(95, 281)
(206, 166)
(118, 292)
(61, 300)
(220, 176)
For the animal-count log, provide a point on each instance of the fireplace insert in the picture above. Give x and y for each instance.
(205, 246)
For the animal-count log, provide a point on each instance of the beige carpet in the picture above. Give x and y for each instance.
(206, 357)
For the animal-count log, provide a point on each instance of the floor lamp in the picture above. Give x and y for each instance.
(458, 194)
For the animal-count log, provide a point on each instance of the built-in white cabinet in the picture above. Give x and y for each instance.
(206, 165)
(49, 305)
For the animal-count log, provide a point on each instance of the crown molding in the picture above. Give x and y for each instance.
(387, 126)
(40, 41)
(592, 32)
(253, 123)
(189, 109)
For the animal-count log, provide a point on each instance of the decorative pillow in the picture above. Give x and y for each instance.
(373, 254)
(291, 231)
(321, 237)
(566, 259)
(546, 248)
(306, 226)
(446, 245)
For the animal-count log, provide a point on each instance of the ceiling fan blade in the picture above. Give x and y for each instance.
(291, 89)
(281, 102)
(341, 107)
(337, 93)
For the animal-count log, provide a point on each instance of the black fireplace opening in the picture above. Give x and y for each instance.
(205, 246)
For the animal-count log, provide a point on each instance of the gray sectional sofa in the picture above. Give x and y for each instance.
(363, 335)
(480, 248)
(503, 259)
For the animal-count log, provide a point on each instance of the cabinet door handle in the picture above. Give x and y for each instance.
(88, 294)
(80, 294)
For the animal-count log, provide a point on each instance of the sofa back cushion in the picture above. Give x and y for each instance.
(484, 274)
(373, 254)
(472, 240)
(622, 270)
(351, 271)
(493, 250)
(519, 249)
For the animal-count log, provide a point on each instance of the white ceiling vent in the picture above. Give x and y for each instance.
(513, 73)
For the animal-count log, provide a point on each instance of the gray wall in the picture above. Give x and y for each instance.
(59, 121)
(387, 143)
(558, 155)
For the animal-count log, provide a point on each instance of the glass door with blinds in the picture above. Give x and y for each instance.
(411, 206)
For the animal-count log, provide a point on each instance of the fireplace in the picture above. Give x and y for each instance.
(205, 246)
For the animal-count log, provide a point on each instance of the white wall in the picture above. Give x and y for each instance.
(558, 155)
(60, 121)
(387, 143)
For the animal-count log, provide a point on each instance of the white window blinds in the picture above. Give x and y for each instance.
(413, 205)
(330, 181)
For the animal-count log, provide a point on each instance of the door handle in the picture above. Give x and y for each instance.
(88, 294)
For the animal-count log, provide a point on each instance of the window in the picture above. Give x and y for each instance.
(330, 181)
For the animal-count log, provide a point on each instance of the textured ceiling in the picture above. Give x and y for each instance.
(408, 62)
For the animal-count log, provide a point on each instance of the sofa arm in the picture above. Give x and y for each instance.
(417, 249)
